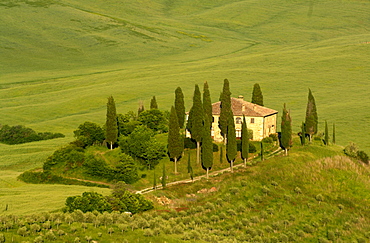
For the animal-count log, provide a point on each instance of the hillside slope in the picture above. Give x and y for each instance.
(62, 59)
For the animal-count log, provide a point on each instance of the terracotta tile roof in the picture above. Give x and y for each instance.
(241, 107)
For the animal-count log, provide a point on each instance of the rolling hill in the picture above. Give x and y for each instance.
(61, 59)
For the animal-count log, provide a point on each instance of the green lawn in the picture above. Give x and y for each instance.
(60, 60)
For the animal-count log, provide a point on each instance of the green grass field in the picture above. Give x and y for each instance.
(316, 194)
(60, 60)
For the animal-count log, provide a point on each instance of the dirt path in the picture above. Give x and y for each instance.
(214, 173)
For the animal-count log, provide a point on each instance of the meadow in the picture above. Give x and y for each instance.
(313, 195)
(60, 60)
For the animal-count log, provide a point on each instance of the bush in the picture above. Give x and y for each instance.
(267, 140)
(361, 155)
(89, 134)
(252, 147)
(69, 155)
(21, 134)
(274, 136)
(351, 150)
(189, 143)
(88, 202)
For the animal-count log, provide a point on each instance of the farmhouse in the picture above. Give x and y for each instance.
(259, 119)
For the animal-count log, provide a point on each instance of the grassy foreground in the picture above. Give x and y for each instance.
(314, 194)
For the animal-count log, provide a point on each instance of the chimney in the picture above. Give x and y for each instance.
(241, 97)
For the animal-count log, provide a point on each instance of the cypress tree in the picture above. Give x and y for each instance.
(153, 103)
(286, 130)
(190, 168)
(262, 151)
(195, 120)
(189, 164)
(333, 133)
(225, 111)
(207, 148)
(257, 97)
(180, 106)
(207, 104)
(303, 132)
(175, 140)
(111, 132)
(245, 142)
(326, 133)
(154, 180)
(311, 116)
(221, 154)
(231, 149)
(164, 179)
(141, 108)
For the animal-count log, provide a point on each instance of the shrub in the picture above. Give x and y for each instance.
(21, 134)
(351, 150)
(22, 231)
(50, 235)
(234, 190)
(88, 202)
(274, 136)
(308, 228)
(267, 140)
(215, 147)
(331, 235)
(88, 134)
(298, 190)
(39, 239)
(252, 147)
(319, 198)
(70, 155)
(189, 143)
(361, 155)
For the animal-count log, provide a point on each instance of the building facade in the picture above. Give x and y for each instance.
(261, 120)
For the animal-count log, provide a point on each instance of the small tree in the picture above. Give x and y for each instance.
(245, 142)
(142, 145)
(303, 134)
(195, 120)
(164, 179)
(111, 132)
(180, 106)
(231, 145)
(175, 140)
(221, 154)
(286, 130)
(333, 139)
(141, 107)
(311, 116)
(154, 180)
(207, 148)
(207, 104)
(257, 97)
(225, 111)
(326, 133)
(154, 119)
(153, 103)
(89, 133)
(262, 151)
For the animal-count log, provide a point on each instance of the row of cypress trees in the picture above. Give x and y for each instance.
(199, 125)
(308, 128)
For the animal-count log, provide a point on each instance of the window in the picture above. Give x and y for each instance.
(238, 133)
(238, 120)
(252, 120)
